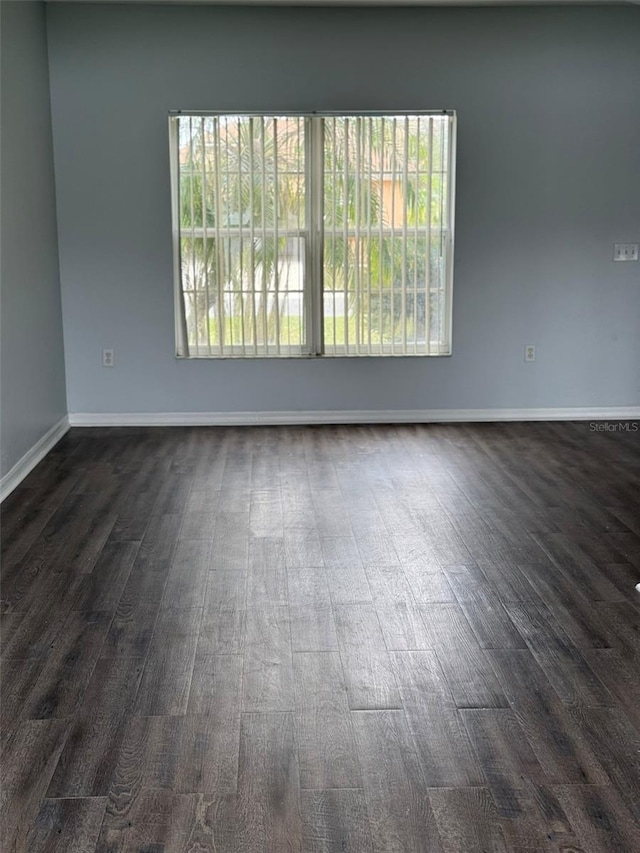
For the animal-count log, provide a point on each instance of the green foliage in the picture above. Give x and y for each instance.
(229, 226)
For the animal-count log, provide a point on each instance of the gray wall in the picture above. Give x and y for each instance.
(548, 178)
(32, 355)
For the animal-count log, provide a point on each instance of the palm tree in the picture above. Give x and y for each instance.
(241, 183)
(381, 196)
(242, 211)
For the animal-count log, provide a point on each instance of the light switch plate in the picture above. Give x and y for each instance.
(625, 252)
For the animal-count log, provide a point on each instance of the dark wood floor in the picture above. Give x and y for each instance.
(364, 639)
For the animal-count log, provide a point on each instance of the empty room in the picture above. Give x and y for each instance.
(320, 426)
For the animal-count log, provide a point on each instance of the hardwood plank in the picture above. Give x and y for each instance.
(616, 744)
(230, 546)
(67, 826)
(37, 632)
(103, 588)
(376, 549)
(509, 580)
(218, 826)
(9, 621)
(302, 549)
(187, 578)
(430, 587)
(188, 755)
(403, 628)
(562, 662)
(484, 611)
(266, 553)
(267, 587)
(348, 584)
(335, 820)
(332, 522)
(504, 753)
(18, 680)
(619, 673)
(216, 685)
(338, 552)
(154, 820)
(216, 689)
(113, 686)
(80, 527)
(165, 684)
(530, 814)
(131, 630)
(153, 562)
(576, 565)
(134, 511)
(308, 587)
(199, 524)
(547, 723)
(225, 591)
(224, 556)
(59, 690)
(269, 784)
(579, 618)
(599, 820)
(367, 666)
(28, 761)
(94, 532)
(312, 623)
(222, 632)
(89, 758)
(324, 736)
(26, 580)
(421, 679)
(446, 626)
(268, 673)
(623, 625)
(399, 811)
(389, 585)
(624, 575)
(32, 510)
(414, 551)
(298, 512)
(467, 820)
(173, 494)
(506, 542)
(313, 629)
(471, 678)
(266, 516)
(446, 543)
(442, 743)
(465, 665)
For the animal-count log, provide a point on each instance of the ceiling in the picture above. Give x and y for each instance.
(368, 2)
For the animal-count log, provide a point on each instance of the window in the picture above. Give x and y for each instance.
(308, 235)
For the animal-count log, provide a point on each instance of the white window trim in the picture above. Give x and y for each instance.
(314, 238)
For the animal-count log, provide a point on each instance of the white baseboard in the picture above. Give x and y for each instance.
(24, 466)
(364, 416)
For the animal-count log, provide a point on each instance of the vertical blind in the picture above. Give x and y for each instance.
(309, 235)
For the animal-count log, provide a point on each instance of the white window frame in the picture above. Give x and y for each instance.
(313, 235)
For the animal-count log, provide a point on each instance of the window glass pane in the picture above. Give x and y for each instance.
(374, 191)
(242, 237)
(385, 222)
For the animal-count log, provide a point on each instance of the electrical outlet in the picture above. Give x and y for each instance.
(625, 252)
(529, 353)
(107, 358)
